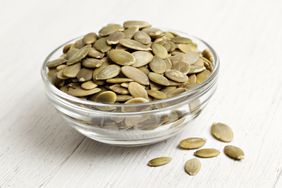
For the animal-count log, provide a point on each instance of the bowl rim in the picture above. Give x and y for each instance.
(188, 93)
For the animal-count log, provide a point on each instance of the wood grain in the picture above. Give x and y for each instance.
(38, 149)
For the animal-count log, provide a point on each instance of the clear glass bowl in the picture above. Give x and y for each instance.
(132, 124)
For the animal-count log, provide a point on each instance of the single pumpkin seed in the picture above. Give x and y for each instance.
(142, 58)
(159, 161)
(94, 53)
(79, 44)
(108, 72)
(118, 80)
(78, 55)
(99, 69)
(56, 62)
(89, 38)
(115, 37)
(118, 89)
(79, 92)
(203, 76)
(208, 55)
(187, 47)
(92, 62)
(88, 85)
(102, 45)
(142, 37)
(136, 100)
(156, 94)
(234, 152)
(123, 98)
(175, 92)
(153, 32)
(222, 132)
(121, 57)
(137, 90)
(67, 48)
(106, 97)
(159, 79)
(136, 23)
(158, 65)
(133, 44)
(84, 75)
(192, 166)
(207, 153)
(182, 67)
(109, 29)
(159, 50)
(125, 85)
(181, 40)
(192, 143)
(135, 74)
(176, 76)
(129, 32)
(71, 71)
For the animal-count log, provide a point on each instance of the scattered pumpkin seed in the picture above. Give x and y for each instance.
(192, 143)
(108, 72)
(106, 97)
(135, 74)
(222, 132)
(159, 161)
(137, 90)
(192, 166)
(121, 57)
(234, 152)
(207, 153)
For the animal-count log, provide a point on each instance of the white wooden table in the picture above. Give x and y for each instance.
(38, 149)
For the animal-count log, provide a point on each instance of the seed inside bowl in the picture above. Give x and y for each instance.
(133, 60)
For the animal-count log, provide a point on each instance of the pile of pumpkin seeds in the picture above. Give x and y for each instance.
(130, 63)
(219, 131)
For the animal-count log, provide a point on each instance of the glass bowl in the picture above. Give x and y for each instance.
(132, 124)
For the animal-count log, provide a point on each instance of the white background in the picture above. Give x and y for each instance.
(38, 149)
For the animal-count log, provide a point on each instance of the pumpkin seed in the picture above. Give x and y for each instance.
(203, 76)
(175, 92)
(124, 85)
(208, 55)
(118, 89)
(67, 48)
(79, 92)
(136, 100)
(133, 44)
(92, 62)
(56, 62)
(234, 152)
(121, 57)
(176, 76)
(106, 97)
(136, 23)
(99, 69)
(118, 80)
(88, 85)
(182, 67)
(142, 37)
(142, 58)
(159, 161)
(135, 74)
(158, 65)
(129, 32)
(108, 72)
(156, 94)
(159, 79)
(192, 166)
(137, 90)
(115, 37)
(123, 98)
(71, 71)
(84, 75)
(186, 47)
(192, 143)
(181, 40)
(207, 153)
(94, 53)
(159, 50)
(153, 32)
(60, 67)
(102, 45)
(89, 38)
(222, 132)
(109, 29)
(78, 55)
